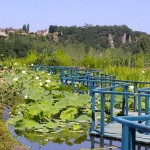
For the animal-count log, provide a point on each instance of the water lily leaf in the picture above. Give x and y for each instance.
(20, 127)
(13, 121)
(65, 116)
(34, 110)
(68, 114)
(42, 130)
(50, 125)
(76, 127)
(35, 94)
(55, 110)
(84, 97)
(61, 104)
(80, 139)
(56, 92)
(73, 102)
(68, 143)
(83, 118)
(31, 124)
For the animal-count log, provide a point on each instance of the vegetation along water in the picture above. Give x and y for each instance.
(59, 118)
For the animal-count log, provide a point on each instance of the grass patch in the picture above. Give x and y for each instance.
(7, 141)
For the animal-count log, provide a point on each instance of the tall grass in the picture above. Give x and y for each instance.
(117, 65)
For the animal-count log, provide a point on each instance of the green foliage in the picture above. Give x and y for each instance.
(46, 107)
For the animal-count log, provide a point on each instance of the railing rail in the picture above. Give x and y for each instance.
(105, 84)
(129, 129)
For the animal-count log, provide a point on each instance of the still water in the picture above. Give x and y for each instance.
(89, 143)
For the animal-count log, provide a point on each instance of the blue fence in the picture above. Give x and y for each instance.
(102, 85)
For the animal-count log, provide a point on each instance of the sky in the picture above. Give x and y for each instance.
(40, 14)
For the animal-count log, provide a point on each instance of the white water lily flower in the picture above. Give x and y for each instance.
(37, 77)
(32, 65)
(46, 85)
(40, 84)
(15, 79)
(49, 74)
(131, 87)
(143, 71)
(48, 81)
(26, 96)
(24, 72)
(15, 64)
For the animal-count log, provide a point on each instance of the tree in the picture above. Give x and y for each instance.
(52, 28)
(27, 28)
(143, 44)
(24, 28)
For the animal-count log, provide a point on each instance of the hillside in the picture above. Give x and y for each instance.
(99, 38)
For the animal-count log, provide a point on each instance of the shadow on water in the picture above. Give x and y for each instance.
(36, 141)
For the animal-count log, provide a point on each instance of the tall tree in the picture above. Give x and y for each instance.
(52, 28)
(27, 28)
(24, 28)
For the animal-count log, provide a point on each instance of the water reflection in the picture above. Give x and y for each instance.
(88, 143)
(111, 144)
(80, 142)
(104, 143)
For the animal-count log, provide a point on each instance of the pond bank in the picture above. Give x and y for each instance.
(7, 141)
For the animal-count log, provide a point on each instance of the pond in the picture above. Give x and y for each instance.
(39, 142)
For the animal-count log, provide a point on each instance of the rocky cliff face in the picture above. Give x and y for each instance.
(111, 41)
(55, 37)
(124, 38)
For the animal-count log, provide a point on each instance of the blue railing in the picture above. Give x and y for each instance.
(129, 129)
(104, 84)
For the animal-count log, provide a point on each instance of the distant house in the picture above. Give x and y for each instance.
(3, 32)
(22, 32)
(11, 30)
(42, 32)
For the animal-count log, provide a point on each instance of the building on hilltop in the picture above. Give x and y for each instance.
(11, 30)
(3, 32)
(42, 32)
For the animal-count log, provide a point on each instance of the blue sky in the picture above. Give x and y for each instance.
(42, 13)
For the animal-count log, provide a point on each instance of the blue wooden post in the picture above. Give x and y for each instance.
(123, 102)
(51, 70)
(88, 84)
(102, 79)
(132, 138)
(72, 83)
(111, 105)
(93, 112)
(67, 72)
(146, 109)
(36, 68)
(139, 105)
(135, 96)
(102, 111)
(92, 86)
(62, 75)
(101, 142)
(56, 70)
(125, 138)
(126, 99)
(92, 142)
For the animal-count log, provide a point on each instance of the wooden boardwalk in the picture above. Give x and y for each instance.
(114, 131)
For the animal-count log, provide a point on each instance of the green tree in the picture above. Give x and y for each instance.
(143, 44)
(24, 28)
(27, 28)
